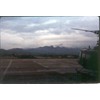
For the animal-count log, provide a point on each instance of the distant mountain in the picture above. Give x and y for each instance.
(3, 52)
(17, 51)
(54, 50)
(46, 50)
(12, 52)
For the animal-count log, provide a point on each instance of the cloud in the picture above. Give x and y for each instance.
(50, 22)
(9, 40)
(28, 32)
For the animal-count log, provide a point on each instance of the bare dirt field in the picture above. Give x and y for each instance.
(21, 66)
(38, 70)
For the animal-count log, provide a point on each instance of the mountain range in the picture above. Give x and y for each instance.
(46, 50)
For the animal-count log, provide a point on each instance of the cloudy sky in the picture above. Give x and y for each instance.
(32, 32)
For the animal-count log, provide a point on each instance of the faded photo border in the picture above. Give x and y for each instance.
(50, 8)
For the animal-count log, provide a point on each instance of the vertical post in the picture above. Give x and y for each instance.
(99, 53)
(0, 33)
(0, 38)
(99, 22)
(99, 30)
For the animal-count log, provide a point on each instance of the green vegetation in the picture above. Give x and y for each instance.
(92, 62)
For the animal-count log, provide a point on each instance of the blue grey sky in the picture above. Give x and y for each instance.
(32, 32)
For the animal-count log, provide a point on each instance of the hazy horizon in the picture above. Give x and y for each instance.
(86, 47)
(33, 32)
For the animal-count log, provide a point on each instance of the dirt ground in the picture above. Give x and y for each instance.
(38, 65)
(39, 70)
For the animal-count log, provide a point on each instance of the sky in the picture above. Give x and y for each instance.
(39, 31)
